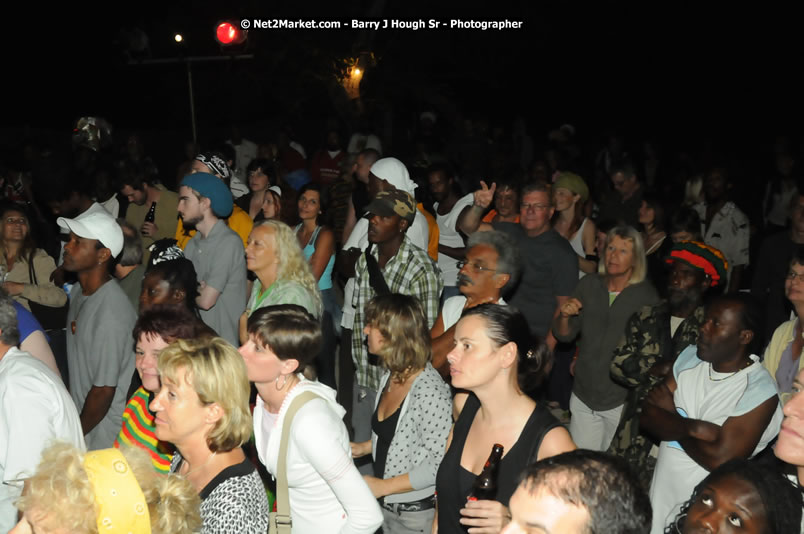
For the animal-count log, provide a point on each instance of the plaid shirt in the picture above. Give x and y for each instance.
(410, 272)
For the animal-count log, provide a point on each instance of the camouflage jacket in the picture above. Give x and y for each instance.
(647, 341)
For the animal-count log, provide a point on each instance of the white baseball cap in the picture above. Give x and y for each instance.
(100, 226)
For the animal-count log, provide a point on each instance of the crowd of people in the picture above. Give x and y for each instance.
(353, 334)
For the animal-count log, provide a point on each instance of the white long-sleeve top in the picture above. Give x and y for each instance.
(327, 493)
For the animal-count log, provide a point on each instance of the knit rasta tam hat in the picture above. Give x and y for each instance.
(701, 256)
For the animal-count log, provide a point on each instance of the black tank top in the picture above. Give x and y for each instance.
(385, 431)
(454, 483)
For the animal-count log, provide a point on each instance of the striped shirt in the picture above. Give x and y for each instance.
(139, 431)
(411, 272)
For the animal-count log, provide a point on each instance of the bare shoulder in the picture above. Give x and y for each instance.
(556, 441)
(458, 403)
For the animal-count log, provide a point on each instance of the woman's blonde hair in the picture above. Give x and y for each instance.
(216, 372)
(403, 325)
(293, 265)
(62, 492)
(640, 269)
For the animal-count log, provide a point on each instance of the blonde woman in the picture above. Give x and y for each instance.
(598, 311)
(202, 409)
(283, 273)
(61, 498)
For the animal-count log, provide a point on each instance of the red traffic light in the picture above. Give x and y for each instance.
(228, 33)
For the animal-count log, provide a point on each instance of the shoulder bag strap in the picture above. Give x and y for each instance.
(282, 518)
(376, 279)
(31, 272)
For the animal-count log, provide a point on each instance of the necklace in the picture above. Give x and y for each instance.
(729, 376)
(80, 305)
(74, 322)
(211, 456)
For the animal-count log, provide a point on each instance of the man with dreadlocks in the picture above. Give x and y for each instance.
(654, 337)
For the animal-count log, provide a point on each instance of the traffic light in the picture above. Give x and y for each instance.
(229, 33)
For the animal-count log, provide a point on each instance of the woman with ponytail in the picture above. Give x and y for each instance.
(499, 365)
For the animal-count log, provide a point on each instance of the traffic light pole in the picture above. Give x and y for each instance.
(189, 61)
(192, 103)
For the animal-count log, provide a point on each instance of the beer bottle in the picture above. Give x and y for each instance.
(151, 215)
(485, 485)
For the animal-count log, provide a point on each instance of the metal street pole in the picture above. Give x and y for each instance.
(192, 103)
(189, 61)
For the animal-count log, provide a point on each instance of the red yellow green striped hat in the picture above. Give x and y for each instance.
(701, 256)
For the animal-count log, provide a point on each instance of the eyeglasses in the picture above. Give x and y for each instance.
(792, 275)
(535, 207)
(474, 266)
(17, 220)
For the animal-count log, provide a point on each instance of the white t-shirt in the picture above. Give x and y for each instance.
(448, 236)
(728, 232)
(704, 394)
(35, 409)
(361, 141)
(453, 308)
(245, 152)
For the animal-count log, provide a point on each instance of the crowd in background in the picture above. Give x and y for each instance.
(615, 309)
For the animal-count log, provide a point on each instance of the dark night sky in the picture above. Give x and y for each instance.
(671, 68)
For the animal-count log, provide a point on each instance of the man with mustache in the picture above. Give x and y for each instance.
(654, 337)
(492, 265)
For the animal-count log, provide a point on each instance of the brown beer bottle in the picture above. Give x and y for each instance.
(151, 215)
(485, 485)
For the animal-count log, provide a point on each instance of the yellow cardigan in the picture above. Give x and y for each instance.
(782, 337)
(239, 221)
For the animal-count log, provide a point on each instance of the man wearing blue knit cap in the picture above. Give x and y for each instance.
(216, 252)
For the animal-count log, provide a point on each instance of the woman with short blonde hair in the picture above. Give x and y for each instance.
(202, 408)
(639, 265)
(598, 312)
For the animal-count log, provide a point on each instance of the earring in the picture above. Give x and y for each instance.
(679, 522)
(284, 382)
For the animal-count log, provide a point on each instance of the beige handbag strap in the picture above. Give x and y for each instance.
(282, 517)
